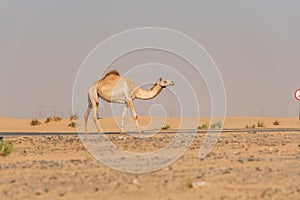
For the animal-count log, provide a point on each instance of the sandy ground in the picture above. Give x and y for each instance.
(241, 166)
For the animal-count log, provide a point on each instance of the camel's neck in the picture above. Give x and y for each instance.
(148, 94)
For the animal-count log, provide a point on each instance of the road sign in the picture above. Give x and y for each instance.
(297, 94)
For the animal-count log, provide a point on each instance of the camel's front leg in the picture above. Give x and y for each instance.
(130, 104)
(93, 104)
(123, 117)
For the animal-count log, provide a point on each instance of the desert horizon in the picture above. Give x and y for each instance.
(110, 124)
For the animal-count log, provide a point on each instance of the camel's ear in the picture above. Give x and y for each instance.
(160, 79)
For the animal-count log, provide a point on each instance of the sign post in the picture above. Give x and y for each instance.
(297, 96)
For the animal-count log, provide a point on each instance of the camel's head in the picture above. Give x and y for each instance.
(164, 83)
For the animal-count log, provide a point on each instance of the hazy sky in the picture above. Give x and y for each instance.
(254, 43)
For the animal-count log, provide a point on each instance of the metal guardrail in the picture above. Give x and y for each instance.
(171, 131)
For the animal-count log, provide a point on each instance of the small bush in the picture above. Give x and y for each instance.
(276, 123)
(74, 117)
(203, 126)
(166, 127)
(5, 148)
(260, 124)
(55, 119)
(35, 122)
(216, 125)
(48, 120)
(250, 127)
(73, 124)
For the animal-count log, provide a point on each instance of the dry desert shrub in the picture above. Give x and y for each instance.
(35, 122)
(73, 124)
(54, 119)
(251, 127)
(74, 117)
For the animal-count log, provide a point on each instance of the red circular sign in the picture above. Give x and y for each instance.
(297, 94)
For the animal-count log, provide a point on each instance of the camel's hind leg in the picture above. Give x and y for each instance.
(87, 113)
(95, 117)
(92, 106)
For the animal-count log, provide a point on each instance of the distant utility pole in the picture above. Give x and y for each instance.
(283, 111)
(70, 113)
(171, 113)
(251, 112)
(41, 111)
(263, 112)
(54, 110)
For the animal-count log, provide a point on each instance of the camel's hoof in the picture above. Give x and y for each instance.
(140, 131)
(122, 131)
(121, 137)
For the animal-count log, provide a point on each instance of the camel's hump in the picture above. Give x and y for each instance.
(112, 72)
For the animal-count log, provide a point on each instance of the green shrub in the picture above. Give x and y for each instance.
(216, 125)
(203, 126)
(166, 127)
(5, 148)
(260, 124)
(35, 122)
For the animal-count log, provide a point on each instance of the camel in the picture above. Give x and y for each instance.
(116, 89)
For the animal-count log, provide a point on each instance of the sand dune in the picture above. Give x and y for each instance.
(155, 123)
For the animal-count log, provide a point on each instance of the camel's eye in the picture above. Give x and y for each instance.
(165, 81)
